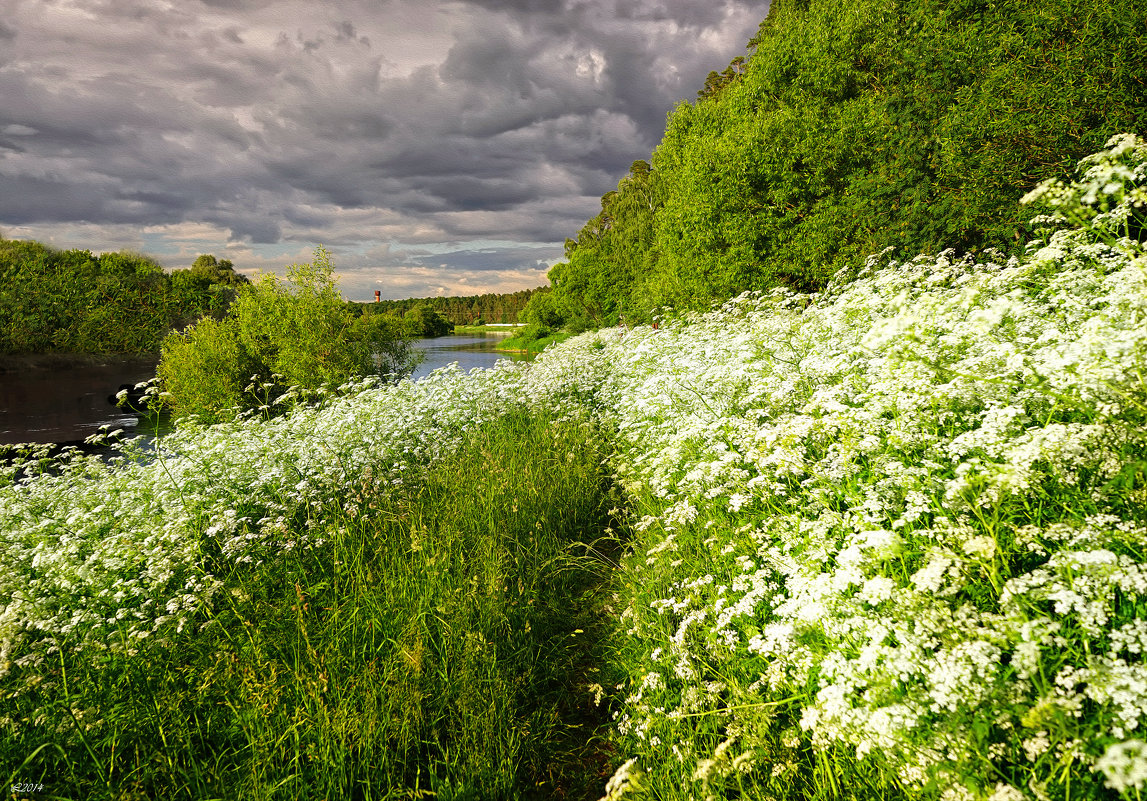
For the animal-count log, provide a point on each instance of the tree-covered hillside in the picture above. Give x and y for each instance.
(852, 127)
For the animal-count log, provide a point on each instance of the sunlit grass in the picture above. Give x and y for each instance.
(439, 641)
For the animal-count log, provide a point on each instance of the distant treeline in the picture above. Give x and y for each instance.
(475, 309)
(72, 301)
(849, 128)
(76, 302)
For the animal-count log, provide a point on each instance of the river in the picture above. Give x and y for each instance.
(48, 399)
(469, 350)
(53, 399)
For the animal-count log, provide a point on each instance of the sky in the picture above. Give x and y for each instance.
(434, 147)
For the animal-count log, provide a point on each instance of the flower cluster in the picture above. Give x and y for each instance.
(902, 521)
(113, 552)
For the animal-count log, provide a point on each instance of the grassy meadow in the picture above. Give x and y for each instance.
(423, 638)
(884, 541)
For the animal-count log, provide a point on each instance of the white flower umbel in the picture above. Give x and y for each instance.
(1124, 765)
(903, 520)
(905, 516)
(140, 542)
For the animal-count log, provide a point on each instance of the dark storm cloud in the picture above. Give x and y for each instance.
(521, 6)
(239, 5)
(489, 260)
(406, 121)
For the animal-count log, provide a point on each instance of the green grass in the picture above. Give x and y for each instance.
(438, 645)
(887, 542)
(519, 343)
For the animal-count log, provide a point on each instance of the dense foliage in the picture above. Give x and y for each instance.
(211, 282)
(424, 321)
(73, 301)
(278, 336)
(852, 127)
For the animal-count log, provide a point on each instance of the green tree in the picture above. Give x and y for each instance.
(849, 128)
(217, 271)
(206, 371)
(277, 335)
(908, 123)
(546, 310)
(425, 322)
(128, 307)
(120, 302)
(209, 286)
(608, 261)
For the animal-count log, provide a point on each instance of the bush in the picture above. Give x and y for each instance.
(205, 368)
(278, 335)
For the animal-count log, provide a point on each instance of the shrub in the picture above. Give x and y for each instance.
(205, 368)
(298, 333)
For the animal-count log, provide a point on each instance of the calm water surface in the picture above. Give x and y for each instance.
(45, 403)
(469, 350)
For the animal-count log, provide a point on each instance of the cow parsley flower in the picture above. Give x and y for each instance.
(1124, 765)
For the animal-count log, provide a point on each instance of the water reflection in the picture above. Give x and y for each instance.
(54, 401)
(469, 350)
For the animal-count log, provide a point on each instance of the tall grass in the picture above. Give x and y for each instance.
(436, 645)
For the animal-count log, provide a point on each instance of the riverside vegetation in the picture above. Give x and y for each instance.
(886, 540)
(874, 529)
(115, 303)
(279, 339)
(848, 128)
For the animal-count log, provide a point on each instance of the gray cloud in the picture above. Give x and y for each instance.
(522, 6)
(377, 126)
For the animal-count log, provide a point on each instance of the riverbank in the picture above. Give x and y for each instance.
(718, 556)
(525, 341)
(507, 329)
(389, 635)
(882, 542)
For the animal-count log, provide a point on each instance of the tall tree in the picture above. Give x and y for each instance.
(606, 264)
(908, 123)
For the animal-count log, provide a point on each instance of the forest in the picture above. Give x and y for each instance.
(71, 301)
(849, 128)
(491, 307)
